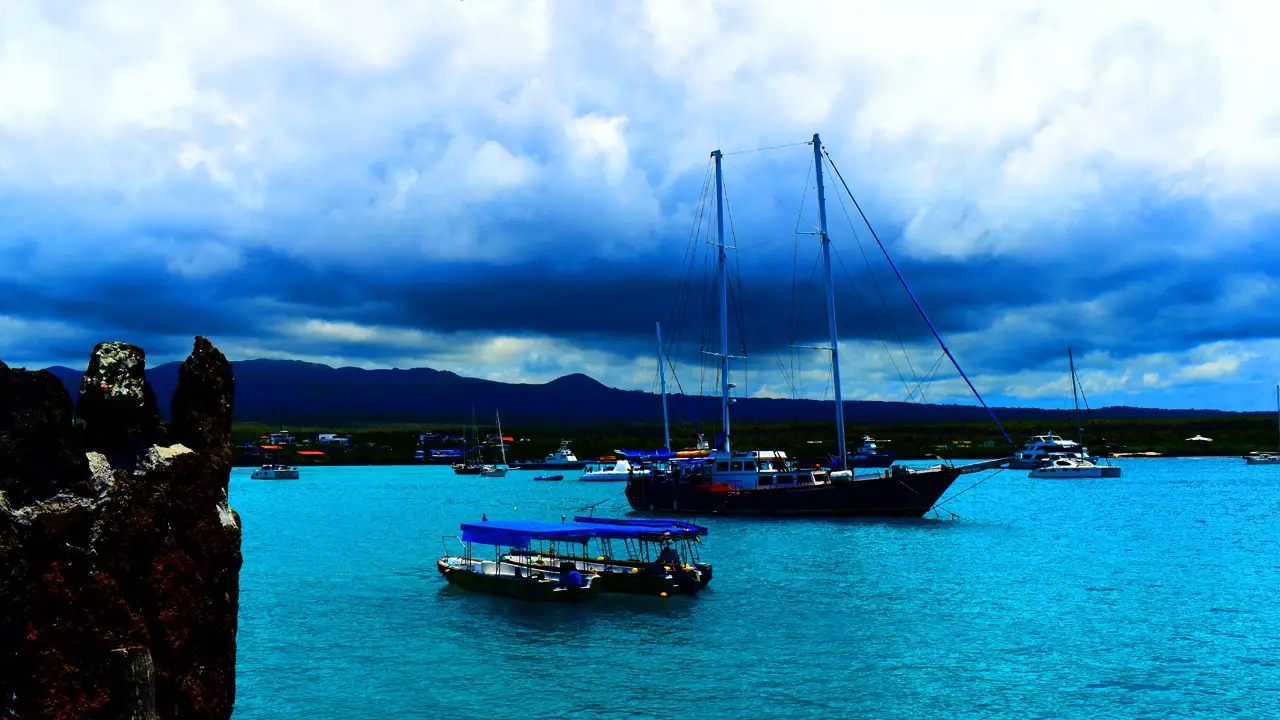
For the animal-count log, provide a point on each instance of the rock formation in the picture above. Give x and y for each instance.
(120, 554)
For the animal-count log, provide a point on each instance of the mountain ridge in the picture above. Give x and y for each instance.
(301, 393)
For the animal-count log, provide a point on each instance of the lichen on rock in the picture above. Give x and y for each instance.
(121, 589)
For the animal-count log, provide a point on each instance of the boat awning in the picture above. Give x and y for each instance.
(518, 533)
(309, 452)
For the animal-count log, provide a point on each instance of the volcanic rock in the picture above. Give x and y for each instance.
(121, 588)
(117, 405)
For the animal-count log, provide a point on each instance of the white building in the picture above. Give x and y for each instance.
(332, 439)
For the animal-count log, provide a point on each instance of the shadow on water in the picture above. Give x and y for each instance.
(643, 619)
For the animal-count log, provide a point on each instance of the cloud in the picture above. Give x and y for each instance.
(511, 189)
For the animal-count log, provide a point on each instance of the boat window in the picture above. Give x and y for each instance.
(722, 467)
(735, 465)
(749, 465)
(764, 480)
(784, 479)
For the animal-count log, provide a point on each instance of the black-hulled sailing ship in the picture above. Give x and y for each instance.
(767, 482)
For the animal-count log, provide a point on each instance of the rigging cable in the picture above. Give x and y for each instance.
(1087, 409)
(917, 303)
(875, 328)
(735, 275)
(684, 284)
(795, 263)
(929, 377)
(876, 283)
(762, 149)
(940, 503)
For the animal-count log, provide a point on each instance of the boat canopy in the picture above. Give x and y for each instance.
(518, 533)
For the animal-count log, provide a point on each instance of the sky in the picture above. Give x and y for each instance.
(515, 190)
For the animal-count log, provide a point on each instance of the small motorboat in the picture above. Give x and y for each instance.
(549, 477)
(661, 556)
(276, 472)
(563, 583)
(1264, 457)
(1067, 466)
(610, 469)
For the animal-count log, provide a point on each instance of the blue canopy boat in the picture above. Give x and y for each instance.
(563, 583)
(634, 556)
(543, 563)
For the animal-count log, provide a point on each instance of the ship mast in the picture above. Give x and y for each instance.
(831, 303)
(1079, 427)
(722, 268)
(502, 443)
(662, 383)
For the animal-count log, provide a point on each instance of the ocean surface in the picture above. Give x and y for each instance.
(1155, 595)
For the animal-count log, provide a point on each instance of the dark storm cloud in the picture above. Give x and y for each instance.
(1152, 303)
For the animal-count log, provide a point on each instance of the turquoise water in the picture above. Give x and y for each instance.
(1156, 595)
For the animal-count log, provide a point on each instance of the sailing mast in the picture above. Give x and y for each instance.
(1278, 409)
(662, 382)
(475, 436)
(722, 267)
(1079, 427)
(831, 303)
(502, 443)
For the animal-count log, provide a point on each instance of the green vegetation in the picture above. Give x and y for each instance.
(395, 445)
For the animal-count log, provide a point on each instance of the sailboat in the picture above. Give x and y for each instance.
(1073, 464)
(766, 482)
(1266, 458)
(277, 470)
(498, 470)
(469, 466)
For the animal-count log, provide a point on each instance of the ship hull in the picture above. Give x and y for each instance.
(894, 495)
(520, 588)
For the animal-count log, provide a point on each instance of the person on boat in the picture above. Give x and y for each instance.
(668, 555)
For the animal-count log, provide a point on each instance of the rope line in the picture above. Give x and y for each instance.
(762, 149)
(940, 503)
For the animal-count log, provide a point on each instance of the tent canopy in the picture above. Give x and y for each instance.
(518, 533)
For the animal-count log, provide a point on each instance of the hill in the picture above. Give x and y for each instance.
(309, 394)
